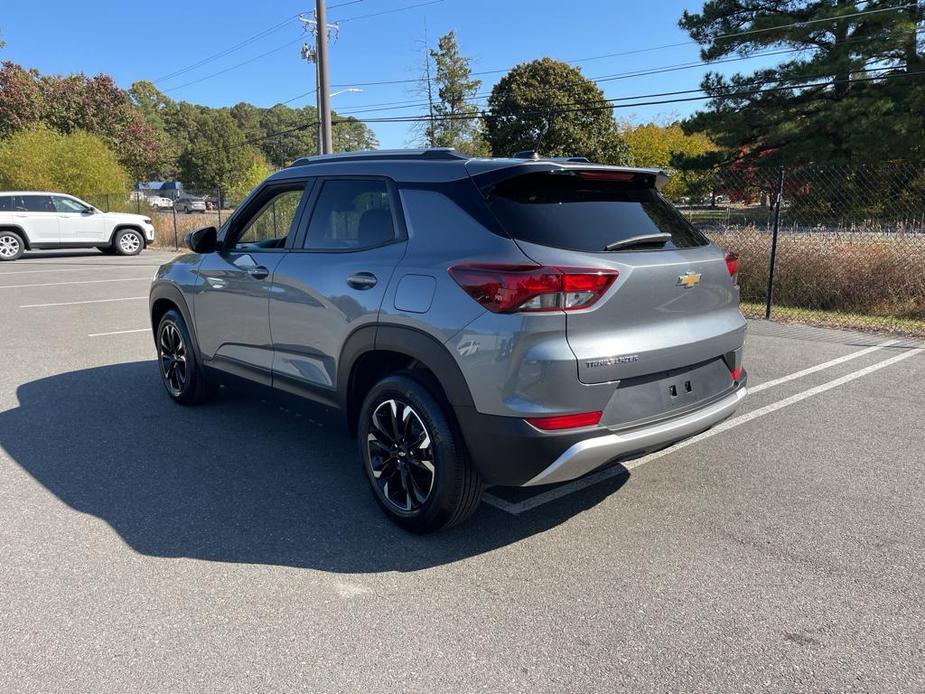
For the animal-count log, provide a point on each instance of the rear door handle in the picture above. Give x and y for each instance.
(362, 280)
(258, 272)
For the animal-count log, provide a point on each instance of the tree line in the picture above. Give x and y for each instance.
(849, 91)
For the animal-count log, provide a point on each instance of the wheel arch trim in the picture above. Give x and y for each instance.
(19, 231)
(165, 291)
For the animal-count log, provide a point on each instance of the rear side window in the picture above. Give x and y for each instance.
(351, 215)
(38, 203)
(587, 212)
(6, 203)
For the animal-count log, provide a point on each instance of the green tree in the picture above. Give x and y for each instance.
(250, 178)
(350, 135)
(664, 146)
(853, 113)
(78, 163)
(217, 156)
(454, 123)
(550, 106)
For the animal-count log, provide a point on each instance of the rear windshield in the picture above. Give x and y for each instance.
(568, 210)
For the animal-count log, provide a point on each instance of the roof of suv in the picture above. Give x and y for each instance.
(428, 165)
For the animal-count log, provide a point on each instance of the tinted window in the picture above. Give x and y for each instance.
(351, 215)
(68, 205)
(270, 226)
(38, 203)
(6, 203)
(587, 214)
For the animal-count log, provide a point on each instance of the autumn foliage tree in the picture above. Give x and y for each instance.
(66, 104)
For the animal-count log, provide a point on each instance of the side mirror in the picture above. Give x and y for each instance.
(204, 240)
(89, 211)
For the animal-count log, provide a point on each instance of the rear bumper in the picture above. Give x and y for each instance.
(509, 452)
(584, 456)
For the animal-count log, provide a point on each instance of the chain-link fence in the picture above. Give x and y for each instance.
(174, 211)
(839, 246)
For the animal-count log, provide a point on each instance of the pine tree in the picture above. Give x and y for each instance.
(851, 91)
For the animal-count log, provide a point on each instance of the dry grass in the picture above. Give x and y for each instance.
(164, 235)
(880, 276)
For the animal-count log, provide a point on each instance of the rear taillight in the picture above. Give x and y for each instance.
(736, 374)
(566, 421)
(513, 288)
(732, 264)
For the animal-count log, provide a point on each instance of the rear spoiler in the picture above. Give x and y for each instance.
(487, 179)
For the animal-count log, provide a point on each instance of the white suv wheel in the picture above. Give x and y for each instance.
(129, 242)
(10, 246)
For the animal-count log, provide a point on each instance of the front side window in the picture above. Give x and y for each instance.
(351, 215)
(38, 203)
(69, 205)
(272, 223)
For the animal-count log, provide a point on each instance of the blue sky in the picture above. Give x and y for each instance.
(133, 41)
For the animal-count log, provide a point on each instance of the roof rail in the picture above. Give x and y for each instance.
(434, 153)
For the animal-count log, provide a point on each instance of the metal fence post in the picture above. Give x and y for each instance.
(777, 203)
(107, 202)
(176, 238)
(218, 206)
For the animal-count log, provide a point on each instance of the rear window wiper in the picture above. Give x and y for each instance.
(641, 240)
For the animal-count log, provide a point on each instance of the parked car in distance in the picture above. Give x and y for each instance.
(36, 220)
(189, 204)
(478, 321)
(160, 203)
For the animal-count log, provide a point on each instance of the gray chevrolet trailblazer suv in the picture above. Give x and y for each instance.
(478, 321)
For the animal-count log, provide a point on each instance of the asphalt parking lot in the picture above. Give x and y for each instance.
(235, 547)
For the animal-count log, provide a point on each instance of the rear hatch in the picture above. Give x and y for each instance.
(674, 304)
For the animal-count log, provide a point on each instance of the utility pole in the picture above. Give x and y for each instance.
(318, 54)
(431, 131)
(324, 96)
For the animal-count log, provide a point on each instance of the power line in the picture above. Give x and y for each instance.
(400, 105)
(607, 104)
(236, 66)
(242, 44)
(379, 14)
(649, 49)
(230, 49)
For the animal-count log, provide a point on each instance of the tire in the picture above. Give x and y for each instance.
(11, 246)
(428, 454)
(180, 370)
(128, 242)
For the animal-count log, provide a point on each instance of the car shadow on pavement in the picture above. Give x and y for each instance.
(237, 480)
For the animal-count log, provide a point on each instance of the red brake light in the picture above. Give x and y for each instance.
(512, 288)
(732, 263)
(737, 374)
(566, 421)
(604, 175)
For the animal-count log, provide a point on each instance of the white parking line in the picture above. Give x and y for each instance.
(120, 332)
(75, 303)
(61, 284)
(86, 268)
(594, 478)
(819, 367)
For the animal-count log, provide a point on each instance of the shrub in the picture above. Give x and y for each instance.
(77, 163)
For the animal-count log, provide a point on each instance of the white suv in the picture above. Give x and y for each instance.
(30, 220)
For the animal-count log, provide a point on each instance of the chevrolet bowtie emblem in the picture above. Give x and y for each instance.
(689, 280)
